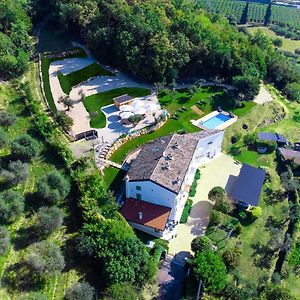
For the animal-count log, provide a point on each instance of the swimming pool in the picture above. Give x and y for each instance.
(215, 121)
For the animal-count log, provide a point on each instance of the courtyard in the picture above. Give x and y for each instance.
(215, 173)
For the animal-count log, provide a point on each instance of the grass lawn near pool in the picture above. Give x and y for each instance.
(174, 100)
(287, 44)
(94, 103)
(68, 81)
(168, 128)
(45, 64)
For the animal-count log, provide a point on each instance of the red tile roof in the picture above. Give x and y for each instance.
(153, 215)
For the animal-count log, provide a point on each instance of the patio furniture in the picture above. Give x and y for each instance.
(219, 109)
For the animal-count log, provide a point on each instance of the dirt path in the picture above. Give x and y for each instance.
(263, 96)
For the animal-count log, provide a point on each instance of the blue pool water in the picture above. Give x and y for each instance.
(215, 121)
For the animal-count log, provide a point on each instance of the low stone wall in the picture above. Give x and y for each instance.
(132, 136)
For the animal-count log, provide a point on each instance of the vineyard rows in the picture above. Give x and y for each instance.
(241, 12)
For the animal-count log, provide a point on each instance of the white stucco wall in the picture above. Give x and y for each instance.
(154, 193)
(150, 192)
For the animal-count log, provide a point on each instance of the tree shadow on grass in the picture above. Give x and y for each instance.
(262, 256)
(183, 99)
(25, 237)
(33, 202)
(20, 277)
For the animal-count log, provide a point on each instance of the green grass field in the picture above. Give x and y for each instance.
(287, 44)
(94, 103)
(173, 101)
(45, 64)
(68, 81)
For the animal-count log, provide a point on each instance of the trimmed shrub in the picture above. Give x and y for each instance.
(186, 211)
(232, 258)
(201, 243)
(53, 187)
(24, 148)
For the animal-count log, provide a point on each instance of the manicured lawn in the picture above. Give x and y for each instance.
(173, 101)
(110, 174)
(170, 127)
(45, 64)
(68, 81)
(287, 44)
(94, 103)
(254, 158)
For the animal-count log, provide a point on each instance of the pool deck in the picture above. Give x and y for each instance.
(199, 122)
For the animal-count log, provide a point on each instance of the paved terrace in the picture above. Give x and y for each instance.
(215, 173)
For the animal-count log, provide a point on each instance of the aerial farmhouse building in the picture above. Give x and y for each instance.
(159, 179)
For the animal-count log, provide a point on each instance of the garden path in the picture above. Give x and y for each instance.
(263, 96)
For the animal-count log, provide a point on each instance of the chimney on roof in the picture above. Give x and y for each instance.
(170, 156)
(140, 215)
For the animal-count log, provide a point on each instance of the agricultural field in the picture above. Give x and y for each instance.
(255, 12)
(285, 16)
(287, 44)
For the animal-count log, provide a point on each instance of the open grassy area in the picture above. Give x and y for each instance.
(173, 101)
(287, 44)
(211, 97)
(94, 103)
(45, 64)
(68, 81)
(254, 263)
(13, 280)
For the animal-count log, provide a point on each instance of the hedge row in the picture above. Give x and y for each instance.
(186, 211)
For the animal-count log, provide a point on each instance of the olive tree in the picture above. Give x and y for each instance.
(17, 172)
(53, 187)
(7, 119)
(11, 206)
(45, 258)
(80, 291)
(49, 219)
(3, 138)
(24, 148)
(4, 240)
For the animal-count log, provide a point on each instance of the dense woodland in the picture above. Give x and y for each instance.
(156, 41)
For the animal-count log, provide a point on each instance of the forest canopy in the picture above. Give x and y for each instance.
(15, 43)
(163, 41)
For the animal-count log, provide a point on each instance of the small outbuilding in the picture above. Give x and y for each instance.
(122, 100)
(247, 187)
